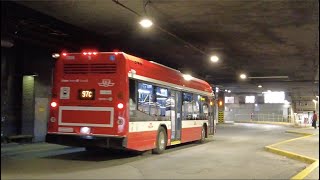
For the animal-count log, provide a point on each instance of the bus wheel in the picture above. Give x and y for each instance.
(161, 141)
(203, 135)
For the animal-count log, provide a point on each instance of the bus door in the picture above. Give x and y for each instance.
(176, 116)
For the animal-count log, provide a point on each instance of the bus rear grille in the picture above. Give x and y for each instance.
(89, 68)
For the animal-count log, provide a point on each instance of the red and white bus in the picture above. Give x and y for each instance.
(115, 100)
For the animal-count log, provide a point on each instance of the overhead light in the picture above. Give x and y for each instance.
(55, 55)
(187, 77)
(259, 86)
(229, 91)
(217, 89)
(226, 90)
(269, 77)
(315, 101)
(256, 105)
(214, 59)
(146, 23)
(243, 76)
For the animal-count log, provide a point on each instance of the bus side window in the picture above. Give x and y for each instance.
(187, 106)
(145, 98)
(132, 97)
(196, 106)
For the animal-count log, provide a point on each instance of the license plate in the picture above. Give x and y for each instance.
(85, 94)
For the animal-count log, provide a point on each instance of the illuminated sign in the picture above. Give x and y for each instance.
(86, 94)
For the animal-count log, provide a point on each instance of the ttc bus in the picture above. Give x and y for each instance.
(116, 100)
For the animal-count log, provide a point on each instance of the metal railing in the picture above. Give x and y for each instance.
(271, 117)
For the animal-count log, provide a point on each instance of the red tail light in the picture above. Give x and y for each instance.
(64, 54)
(120, 106)
(53, 104)
(90, 53)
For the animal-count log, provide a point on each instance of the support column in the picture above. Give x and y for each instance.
(28, 104)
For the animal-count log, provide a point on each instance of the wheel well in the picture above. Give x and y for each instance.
(206, 129)
(165, 128)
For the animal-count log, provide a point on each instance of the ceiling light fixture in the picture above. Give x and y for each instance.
(146, 23)
(243, 76)
(214, 59)
(259, 86)
(187, 77)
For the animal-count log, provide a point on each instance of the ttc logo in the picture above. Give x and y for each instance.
(106, 83)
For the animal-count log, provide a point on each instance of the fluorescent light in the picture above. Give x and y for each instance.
(229, 91)
(259, 86)
(146, 23)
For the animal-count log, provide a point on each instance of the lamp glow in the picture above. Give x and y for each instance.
(187, 77)
(146, 23)
(214, 59)
(243, 76)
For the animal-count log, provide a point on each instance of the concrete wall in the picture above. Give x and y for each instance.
(21, 112)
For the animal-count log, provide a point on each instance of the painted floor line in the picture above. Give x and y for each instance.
(314, 163)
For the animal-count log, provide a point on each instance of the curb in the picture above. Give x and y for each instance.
(266, 122)
(314, 163)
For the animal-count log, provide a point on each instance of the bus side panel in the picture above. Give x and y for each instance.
(142, 135)
(141, 141)
(190, 134)
(191, 130)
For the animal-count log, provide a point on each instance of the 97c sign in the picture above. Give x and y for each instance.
(86, 94)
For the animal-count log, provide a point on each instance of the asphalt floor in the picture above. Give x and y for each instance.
(235, 152)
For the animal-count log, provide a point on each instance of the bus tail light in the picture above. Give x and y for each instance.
(120, 106)
(64, 54)
(53, 104)
(90, 53)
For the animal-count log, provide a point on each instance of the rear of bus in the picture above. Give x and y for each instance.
(89, 100)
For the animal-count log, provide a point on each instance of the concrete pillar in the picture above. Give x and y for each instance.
(28, 104)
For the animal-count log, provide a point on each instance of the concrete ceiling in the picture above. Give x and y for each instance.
(260, 38)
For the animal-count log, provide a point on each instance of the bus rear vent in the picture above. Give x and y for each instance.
(89, 68)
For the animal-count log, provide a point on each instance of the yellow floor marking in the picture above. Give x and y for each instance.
(314, 163)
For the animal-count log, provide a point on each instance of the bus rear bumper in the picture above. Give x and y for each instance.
(87, 141)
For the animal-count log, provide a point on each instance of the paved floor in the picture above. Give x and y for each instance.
(236, 152)
(306, 146)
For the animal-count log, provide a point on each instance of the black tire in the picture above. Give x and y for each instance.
(203, 135)
(161, 141)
